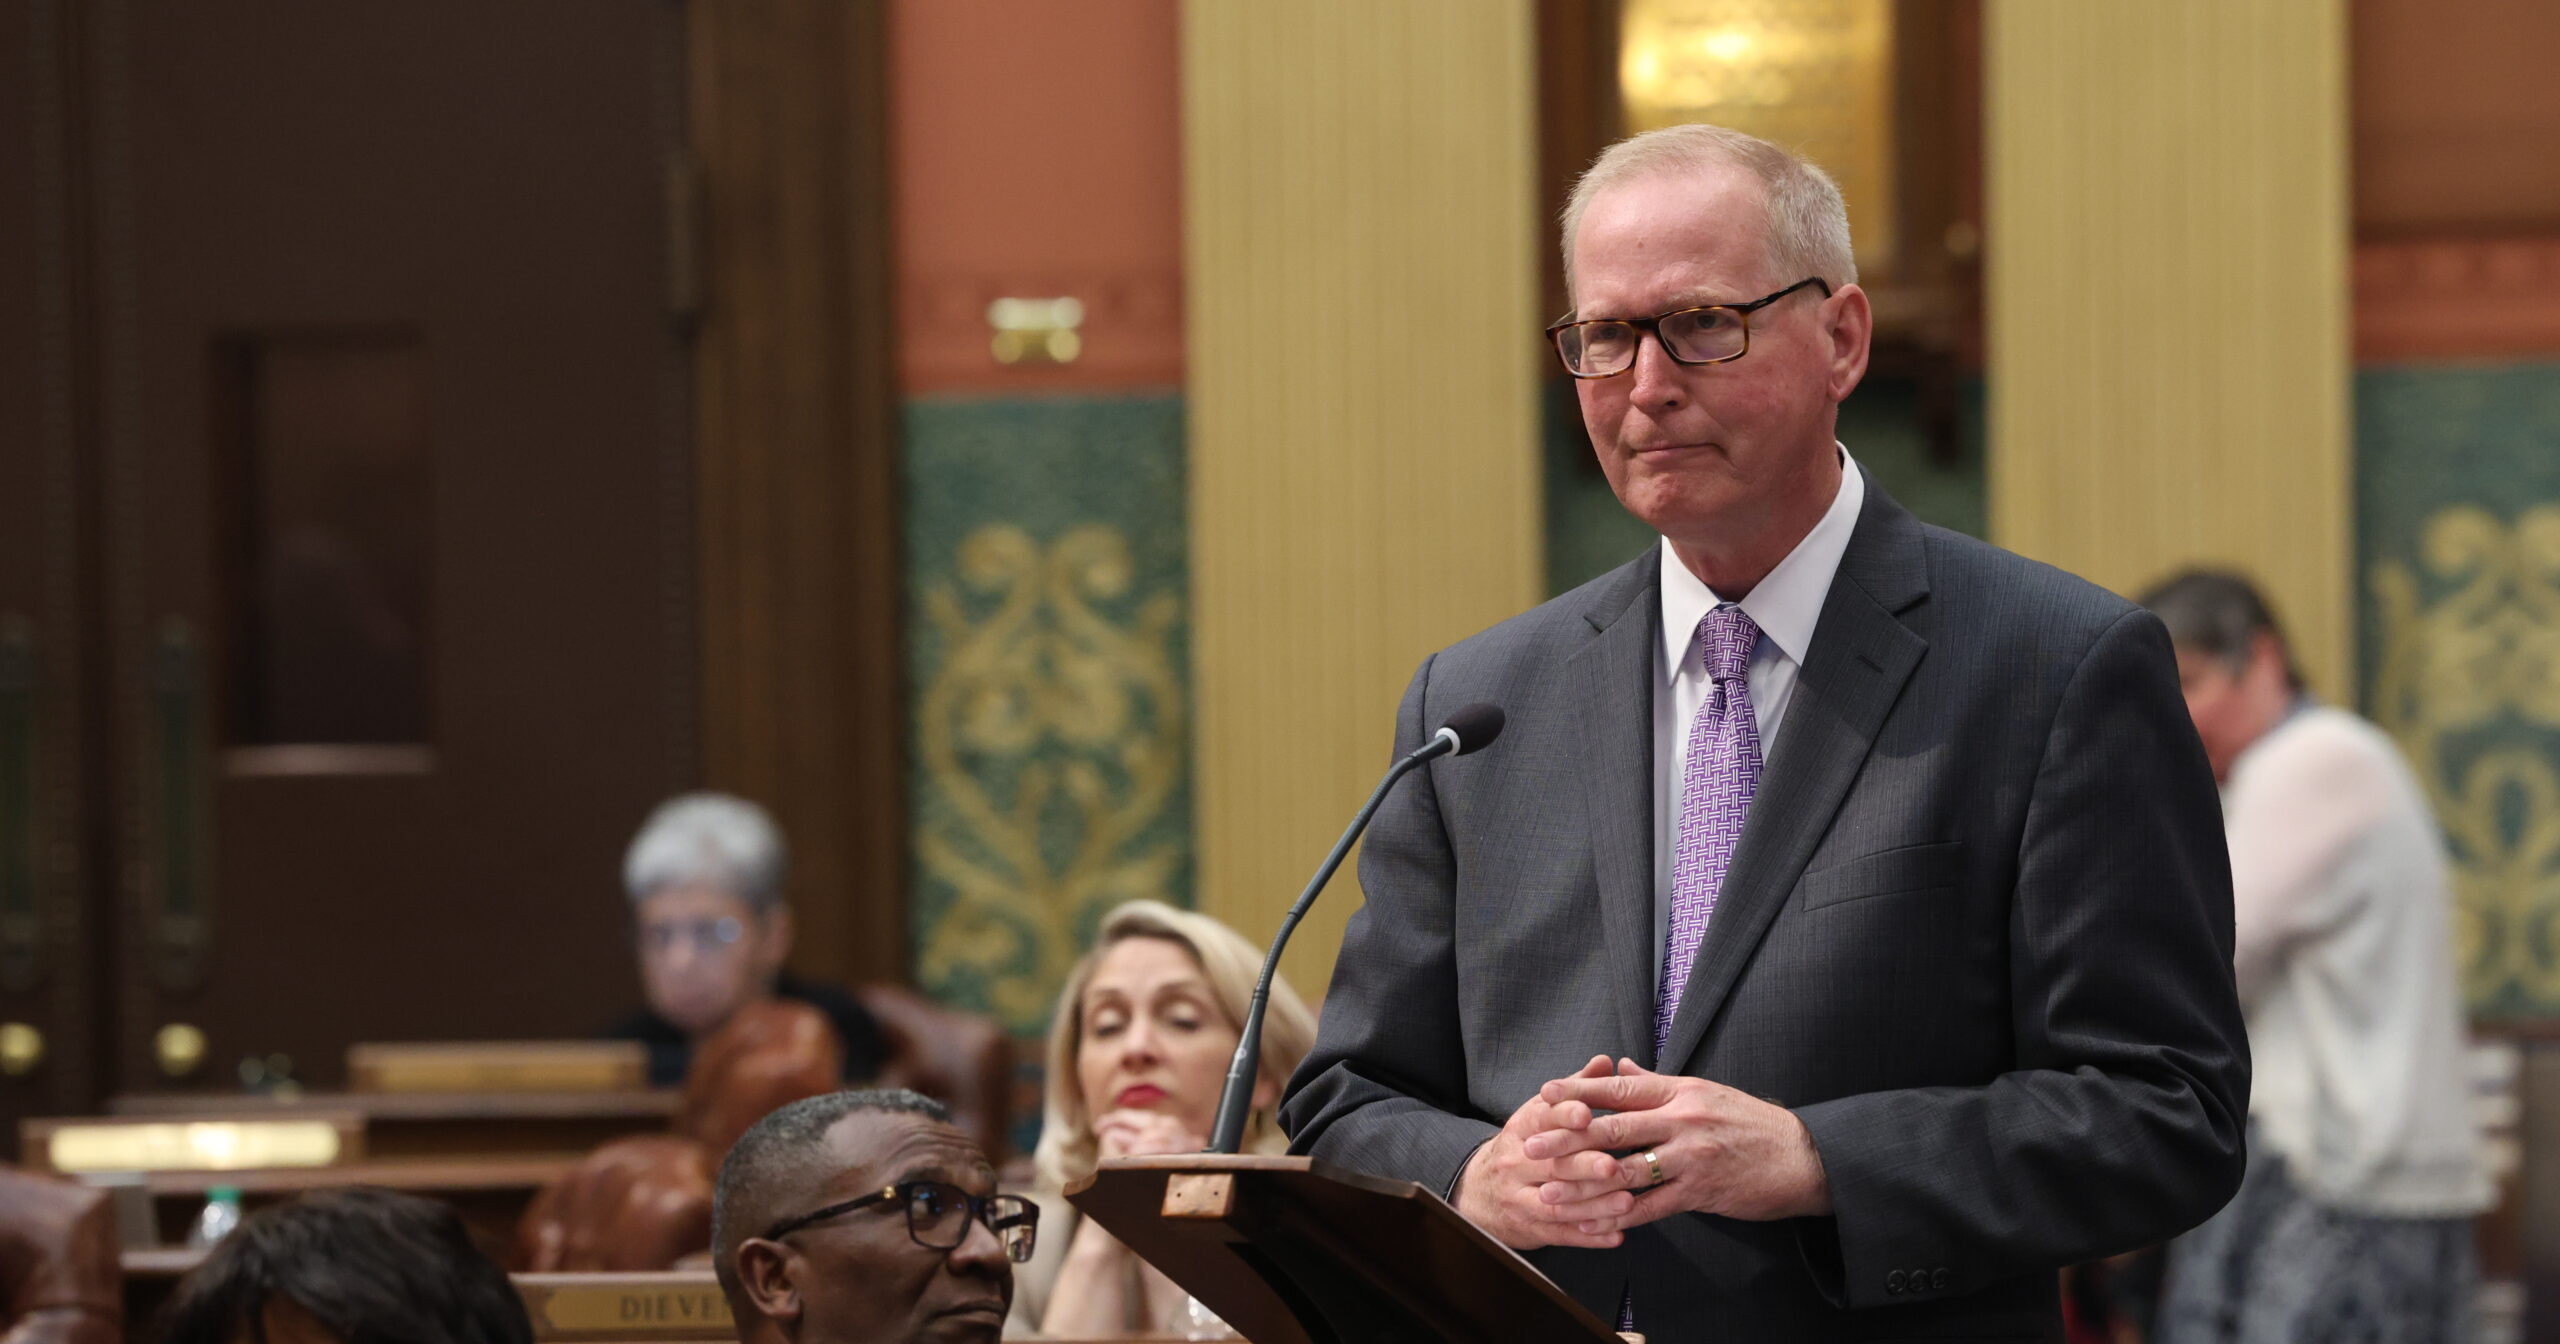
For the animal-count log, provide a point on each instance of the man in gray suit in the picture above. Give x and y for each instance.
(1859, 1036)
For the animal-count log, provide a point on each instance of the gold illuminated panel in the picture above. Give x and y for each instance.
(1342, 160)
(210, 1145)
(2133, 434)
(1815, 76)
(498, 1066)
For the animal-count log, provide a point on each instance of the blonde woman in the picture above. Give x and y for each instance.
(1138, 1051)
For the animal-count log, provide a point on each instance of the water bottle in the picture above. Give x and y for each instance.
(221, 1214)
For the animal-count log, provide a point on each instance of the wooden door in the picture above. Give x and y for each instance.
(394, 522)
(48, 1038)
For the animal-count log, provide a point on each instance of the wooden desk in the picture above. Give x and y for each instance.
(490, 1192)
(678, 1305)
(151, 1274)
(161, 1262)
(412, 1124)
(442, 1177)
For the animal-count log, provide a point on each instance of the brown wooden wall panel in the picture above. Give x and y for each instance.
(483, 182)
(50, 1036)
(796, 533)
(1039, 156)
(2456, 179)
(2456, 116)
(329, 461)
(1579, 114)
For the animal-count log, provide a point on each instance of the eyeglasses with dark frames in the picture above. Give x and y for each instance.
(1714, 333)
(938, 1216)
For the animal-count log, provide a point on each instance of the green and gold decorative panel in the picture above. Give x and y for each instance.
(1049, 683)
(2458, 528)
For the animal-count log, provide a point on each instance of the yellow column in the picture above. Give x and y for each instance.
(1361, 299)
(2167, 298)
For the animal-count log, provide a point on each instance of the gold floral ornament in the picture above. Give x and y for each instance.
(2470, 686)
(1052, 739)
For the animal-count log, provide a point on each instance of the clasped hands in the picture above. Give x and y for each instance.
(1548, 1178)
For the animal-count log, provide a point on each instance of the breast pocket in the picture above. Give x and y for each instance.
(1888, 872)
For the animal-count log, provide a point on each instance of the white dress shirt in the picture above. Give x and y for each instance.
(1785, 605)
(2345, 963)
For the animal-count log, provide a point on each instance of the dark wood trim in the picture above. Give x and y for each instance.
(2542, 1032)
(1928, 293)
(797, 535)
(1579, 114)
(56, 602)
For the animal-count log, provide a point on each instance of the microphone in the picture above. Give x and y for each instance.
(1471, 729)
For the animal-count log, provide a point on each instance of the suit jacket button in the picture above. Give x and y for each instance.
(1938, 1277)
(1895, 1282)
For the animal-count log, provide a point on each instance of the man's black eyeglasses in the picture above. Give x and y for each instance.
(938, 1216)
(1713, 334)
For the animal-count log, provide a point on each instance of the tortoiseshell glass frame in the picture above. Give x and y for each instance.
(1652, 325)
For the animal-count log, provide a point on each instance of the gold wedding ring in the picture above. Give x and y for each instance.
(1653, 1165)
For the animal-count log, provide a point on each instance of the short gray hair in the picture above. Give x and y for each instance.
(708, 837)
(773, 1155)
(1808, 221)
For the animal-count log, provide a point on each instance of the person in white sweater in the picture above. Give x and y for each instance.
(2354, 1220)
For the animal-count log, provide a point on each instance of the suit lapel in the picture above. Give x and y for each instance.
(1615, 769)
(1854, 671)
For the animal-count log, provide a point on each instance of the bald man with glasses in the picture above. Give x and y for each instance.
(865, 1216)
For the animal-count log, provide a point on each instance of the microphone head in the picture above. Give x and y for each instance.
(1477, 726)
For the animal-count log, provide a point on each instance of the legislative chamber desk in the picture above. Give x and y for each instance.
(674, 1307)
(414, 1124)
(490, 1191)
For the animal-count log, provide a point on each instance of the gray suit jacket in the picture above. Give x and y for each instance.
(1977, 935)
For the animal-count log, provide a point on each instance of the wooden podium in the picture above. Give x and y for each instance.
(1289, 1250)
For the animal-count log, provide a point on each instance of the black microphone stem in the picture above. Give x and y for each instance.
(1236, 1100)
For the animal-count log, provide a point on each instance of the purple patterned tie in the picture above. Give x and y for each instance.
(1716, 784)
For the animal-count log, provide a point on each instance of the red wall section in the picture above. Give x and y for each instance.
(1037, 148)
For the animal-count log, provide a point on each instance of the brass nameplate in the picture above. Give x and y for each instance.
(1200, 1194)
(498, 1066)
(207, 1145)
(628, 1311)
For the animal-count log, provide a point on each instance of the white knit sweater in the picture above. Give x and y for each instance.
(2346, 970)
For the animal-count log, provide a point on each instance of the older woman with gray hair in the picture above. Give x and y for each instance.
(705, 880)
